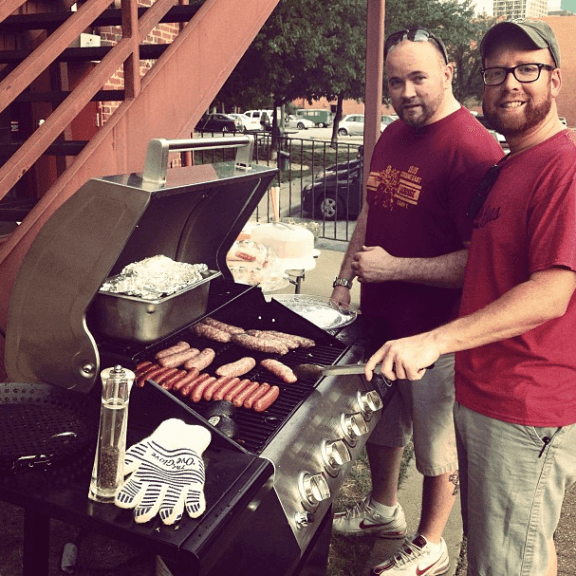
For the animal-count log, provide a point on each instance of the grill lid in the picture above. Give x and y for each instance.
(190, 214)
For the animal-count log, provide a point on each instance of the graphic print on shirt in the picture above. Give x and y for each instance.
(487, 214)
(393, 188)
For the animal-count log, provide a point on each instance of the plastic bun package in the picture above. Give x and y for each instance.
(255, 264)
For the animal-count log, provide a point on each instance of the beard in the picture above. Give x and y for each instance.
(514, 125)
(416, 117)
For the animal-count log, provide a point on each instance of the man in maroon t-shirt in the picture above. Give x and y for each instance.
(515, 409)
(408, 251)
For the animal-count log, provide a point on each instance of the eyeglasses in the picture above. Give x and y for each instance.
(483, 190)
(524, 73)
(414, 35)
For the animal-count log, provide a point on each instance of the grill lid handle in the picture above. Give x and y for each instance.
(159, 148)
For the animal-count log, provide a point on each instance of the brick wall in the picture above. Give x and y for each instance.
(565, 29)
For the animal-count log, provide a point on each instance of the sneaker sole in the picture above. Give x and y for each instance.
(372, 532)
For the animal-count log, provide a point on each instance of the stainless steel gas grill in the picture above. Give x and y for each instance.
(270, 482)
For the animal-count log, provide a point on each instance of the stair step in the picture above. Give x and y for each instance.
(147, 52)
(59, 96)
(58, 148)
(49, 21)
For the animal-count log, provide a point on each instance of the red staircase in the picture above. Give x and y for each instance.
(55, 86)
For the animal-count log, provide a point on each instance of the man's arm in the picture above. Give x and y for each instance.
(341, 294)
(374, 264)
(544, 296)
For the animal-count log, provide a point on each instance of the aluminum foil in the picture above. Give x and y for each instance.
(154, 278)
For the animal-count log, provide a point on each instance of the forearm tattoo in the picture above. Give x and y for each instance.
(455, 479)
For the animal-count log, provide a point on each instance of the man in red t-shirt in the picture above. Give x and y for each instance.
(408, 251)
(515, 379)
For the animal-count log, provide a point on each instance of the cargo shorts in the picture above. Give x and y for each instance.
(513, 479)
(424, 411)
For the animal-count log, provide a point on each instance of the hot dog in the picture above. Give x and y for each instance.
(150, 373)
(272, 346)
(187, 390)
(241, 396)
(231, 329)
(237, 368)
(178, 347)
(189, 377)
(212, 389)
(258, 393)
(171, 380)
(264, 402)
(202, 360)
(141, 365)
(164, 375)
(199, 387)
(206, 331)
(237, 389)
(178, 359)
(279, 370)
(226, 386)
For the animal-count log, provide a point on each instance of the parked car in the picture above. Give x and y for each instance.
(501, 139)
(319, 117)
(297, 122)
(353, 124)
(335, 193)
(218, 123)
(263, 116)
(249, 124)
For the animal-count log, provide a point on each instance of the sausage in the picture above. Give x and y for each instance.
(226, 386)
(237, 368)
(200, 386)
(164, 375)
(252, 343)
(186, 379)
(301, 341)
(239, 398)
(231, 329)
(150, 373)
(171, 380)
(279, 370)
(266, 335)
(267, 400)
(141, 365)
(211, 390)
(211, 333)
(237, 389)
(178, 347)
(258, 393)
(178, 359)
(202, 360)
(187, 390)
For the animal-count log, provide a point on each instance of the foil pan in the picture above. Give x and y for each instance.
(321, 311)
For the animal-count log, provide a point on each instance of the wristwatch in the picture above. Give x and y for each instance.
(342, 282)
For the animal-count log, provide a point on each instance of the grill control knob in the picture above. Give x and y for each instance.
(303, 518)
(313, 488)
(335, 454)
(353, 425)
(369, 403)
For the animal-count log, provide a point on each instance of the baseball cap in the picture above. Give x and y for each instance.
(537, 30)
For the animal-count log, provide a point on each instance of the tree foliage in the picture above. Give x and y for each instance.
(310, 49)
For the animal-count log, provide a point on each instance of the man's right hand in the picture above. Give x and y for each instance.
(341, 295)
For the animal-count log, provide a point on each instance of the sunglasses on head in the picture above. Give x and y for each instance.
(414, 35)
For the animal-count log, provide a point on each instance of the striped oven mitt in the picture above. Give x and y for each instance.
(166, 473)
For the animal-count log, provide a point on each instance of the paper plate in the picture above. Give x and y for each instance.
(321, 311)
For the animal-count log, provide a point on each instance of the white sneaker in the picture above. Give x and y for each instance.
(415, 558)
(363, 519)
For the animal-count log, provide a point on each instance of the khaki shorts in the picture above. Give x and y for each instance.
(512, 488)
(423, 410)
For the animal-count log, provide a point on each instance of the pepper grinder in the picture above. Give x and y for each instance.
(108, 471)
